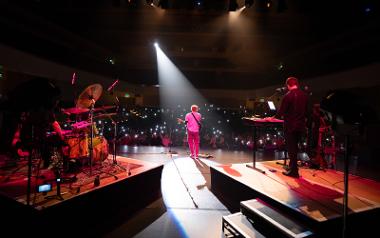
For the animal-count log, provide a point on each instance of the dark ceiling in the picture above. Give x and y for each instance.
(259, 48)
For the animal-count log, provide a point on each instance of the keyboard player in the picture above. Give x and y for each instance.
(293, 111)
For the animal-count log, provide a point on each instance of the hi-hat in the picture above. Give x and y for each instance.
(89, 96)
(75, 110)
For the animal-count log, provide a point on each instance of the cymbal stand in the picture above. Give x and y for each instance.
(90, 146)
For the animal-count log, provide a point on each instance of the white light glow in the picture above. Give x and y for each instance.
(174, 86)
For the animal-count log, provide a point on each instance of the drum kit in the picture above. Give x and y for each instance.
(84, 141)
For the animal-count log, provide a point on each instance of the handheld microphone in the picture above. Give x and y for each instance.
(113, 85)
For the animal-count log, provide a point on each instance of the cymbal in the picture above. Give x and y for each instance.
(103, 108)
(75, 110)
(89, 96)
(105, 115)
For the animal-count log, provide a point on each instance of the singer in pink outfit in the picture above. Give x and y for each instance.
(193, 124)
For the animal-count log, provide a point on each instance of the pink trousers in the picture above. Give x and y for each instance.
(193, 140)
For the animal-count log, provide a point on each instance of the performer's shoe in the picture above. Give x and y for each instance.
(290, 173)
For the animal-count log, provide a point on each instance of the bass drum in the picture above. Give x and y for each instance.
(77, 147)
(100, 149)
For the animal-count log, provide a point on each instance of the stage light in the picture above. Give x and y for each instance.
(155, 44)
(232, 5)
(149, 2)
(248, 3)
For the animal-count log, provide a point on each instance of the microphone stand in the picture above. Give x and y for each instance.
(114, 160)
(170, 137)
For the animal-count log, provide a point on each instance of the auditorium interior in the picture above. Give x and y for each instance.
(96, 98)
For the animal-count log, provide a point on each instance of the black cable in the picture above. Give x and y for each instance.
(187, 189)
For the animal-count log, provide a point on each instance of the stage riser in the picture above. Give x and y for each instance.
(277, 223)
(90, 214)
(231, 192)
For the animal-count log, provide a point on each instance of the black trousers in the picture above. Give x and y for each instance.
(292, 140)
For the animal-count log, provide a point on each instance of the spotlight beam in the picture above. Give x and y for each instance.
(175, 88)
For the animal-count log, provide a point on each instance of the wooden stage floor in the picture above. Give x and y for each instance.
(316, 196)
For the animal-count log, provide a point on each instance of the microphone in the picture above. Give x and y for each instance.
(73, 78)
(281, 90)
(112, 85)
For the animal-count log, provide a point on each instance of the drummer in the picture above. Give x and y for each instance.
(36, 120)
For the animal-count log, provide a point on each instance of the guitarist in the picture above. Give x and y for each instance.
(193, 124)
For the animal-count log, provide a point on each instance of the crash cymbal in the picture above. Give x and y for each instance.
(105, 115)
(89, 96)
(103, 108)
(75, 110)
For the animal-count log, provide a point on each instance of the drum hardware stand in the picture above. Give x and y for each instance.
(87, 99)
(92, 139)
(114, 163)
(90, 145)
(91, 132)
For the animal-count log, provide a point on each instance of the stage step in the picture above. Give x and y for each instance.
(238, 225)
(277, 224)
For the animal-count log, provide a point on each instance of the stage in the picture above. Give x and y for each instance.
(84, 206)
(316, 198)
